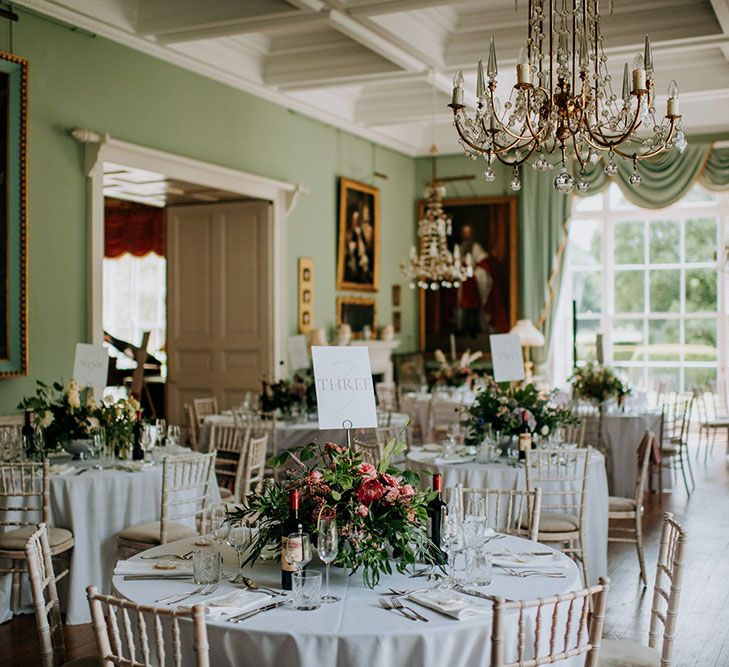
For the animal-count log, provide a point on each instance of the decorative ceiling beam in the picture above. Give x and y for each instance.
(721, 9)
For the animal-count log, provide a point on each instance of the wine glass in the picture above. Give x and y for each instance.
(451, 533)
(298, 550)
(239, 537)
(474, 524)
(173, 435)
(161, 426)
(219, 523)
(327, 545)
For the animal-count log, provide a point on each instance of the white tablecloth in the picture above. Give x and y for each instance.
(357, 632)
(504, 475)
(94, 506)
(293, 434)
(621, 435)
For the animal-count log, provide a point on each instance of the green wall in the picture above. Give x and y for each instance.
(80, 81)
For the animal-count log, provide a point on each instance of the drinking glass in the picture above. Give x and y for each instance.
(298, 550)
(451, 533)
(478, 566)
(173, 435)
(218, 524)
(161, 426)
(206, 564)
(240, 538)
(98, 443)
(306, 586)
(327, 544)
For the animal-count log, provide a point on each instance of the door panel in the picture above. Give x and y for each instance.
(218, 298)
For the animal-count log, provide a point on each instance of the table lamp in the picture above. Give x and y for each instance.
(529, 336)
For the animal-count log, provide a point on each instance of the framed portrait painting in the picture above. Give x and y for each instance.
(358, 312)
(486, 228)
(13, 124)
(358, 254)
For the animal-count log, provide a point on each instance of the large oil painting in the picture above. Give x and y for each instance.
(358, 256)
(13, 108)
(487, 303)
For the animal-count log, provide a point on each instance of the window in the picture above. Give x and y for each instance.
(134, 301)
(650, 283)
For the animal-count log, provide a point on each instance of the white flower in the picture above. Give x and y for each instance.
(73, 398)
(545, 430)
(44, 419)
(440, 358)
(92, 424)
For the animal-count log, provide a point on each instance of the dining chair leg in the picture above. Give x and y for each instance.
(683, 473)
(16, 588)
(691, 472)
(639, 547)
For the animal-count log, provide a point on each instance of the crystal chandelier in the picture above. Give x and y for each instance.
(436, 266)
(563, 103)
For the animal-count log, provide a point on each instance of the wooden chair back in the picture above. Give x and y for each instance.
(667, 589)
(566, 625)
(718, 399)
(204, 407)
(45, 598)
(640, 483)
(558, 472)
(186, 482)
(574, 434)
(371, 451)
(409, 406)
(24, 494)
(229, 441)
(386, 396)
(255, 465)
(193, 429)
(509, 511)
(131, 634)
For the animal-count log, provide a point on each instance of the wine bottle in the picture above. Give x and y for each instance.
(525, 436)
(436, 507)
(291, 525)
(28, 434)
(137, 451)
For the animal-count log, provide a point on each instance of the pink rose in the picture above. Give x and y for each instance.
(407, 491)
(391, 496)
(315, 476)
(389, 480)
(369, 491)
(367, 470)
(363, 510)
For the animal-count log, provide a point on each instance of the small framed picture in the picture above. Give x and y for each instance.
(396, 324)
(396, 296)
(358, 312)
(306, 294)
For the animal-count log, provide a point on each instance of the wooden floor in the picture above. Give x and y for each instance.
(703, 635)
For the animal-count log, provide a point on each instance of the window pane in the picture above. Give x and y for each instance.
(700, 240)
(697, 195)
(629, 242)
(698, 376)
(586, 336)
(628, 340)
(667, 378)
(633, 375)
(586, 242)
(587, 291)
(628, 291)
(700, 290)
(664, 241)
(593, 203)
(663, 336)
(700, 339)
(665, 288)
(617, 198)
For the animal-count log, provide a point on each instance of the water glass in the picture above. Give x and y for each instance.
(240, 538)
(306, 586)
(161, 426)
(173, 435)
(478, 566)
(206, 564)
(327, 545)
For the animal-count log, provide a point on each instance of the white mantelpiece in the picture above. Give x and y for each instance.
(380, 356)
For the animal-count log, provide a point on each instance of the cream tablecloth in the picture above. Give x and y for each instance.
(510, 474)
(357, 632)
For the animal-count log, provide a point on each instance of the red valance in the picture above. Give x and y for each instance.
(133, 228)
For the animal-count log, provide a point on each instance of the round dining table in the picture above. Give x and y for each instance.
(95, 504)
(291, 433)
(357, 631)
(509, 473)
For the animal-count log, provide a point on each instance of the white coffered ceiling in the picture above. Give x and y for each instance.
(383, 68)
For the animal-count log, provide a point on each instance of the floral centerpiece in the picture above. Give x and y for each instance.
(597, 384)
(71, 412)
(283, 395)
(379, 513)
(457, 372)
(506, 409)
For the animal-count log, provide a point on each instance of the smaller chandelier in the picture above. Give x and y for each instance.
(436, 266)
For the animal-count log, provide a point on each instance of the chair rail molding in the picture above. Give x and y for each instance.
(100, 148)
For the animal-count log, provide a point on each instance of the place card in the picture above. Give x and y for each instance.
(91, 366)
(506, 357)
(298, 356)
(345, 393)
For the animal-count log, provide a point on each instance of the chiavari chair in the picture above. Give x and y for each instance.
(135, 635)
(674, 454)
(386, 393)
(409, 407)
(229, 442)
(543, 641)
(186, 483)
(193, 430)
(371, 451)
(510, 511)
(24, 503)
(664, 611)
(711, 422)
(574, 434)
(254, 470)
(444, 414)
(43, 579)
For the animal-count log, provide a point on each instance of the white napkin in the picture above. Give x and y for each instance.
(60, 469)
(139, 567)
(531, 561)
(236, 602)
(468, 458)
(432, 447)
(451, 604)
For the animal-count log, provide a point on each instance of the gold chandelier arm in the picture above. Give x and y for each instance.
(612, 141)
(653, 152)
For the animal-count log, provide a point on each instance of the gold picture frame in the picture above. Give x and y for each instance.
(306, 294)
(357, 311)
(358, 254)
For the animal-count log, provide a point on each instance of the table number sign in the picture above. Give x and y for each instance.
(506, 357)
(298, 356)
(345, 393)
(91, 366)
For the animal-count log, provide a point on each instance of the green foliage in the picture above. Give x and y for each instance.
(597, 383)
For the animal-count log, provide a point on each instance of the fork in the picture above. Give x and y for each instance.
(187, 556)
(385, 604)
(207, 589)
(397, 603)
(198, 590)
(532, 573)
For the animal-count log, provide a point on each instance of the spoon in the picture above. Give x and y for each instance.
(253, 586)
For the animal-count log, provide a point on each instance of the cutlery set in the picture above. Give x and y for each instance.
(200, 591)
(396, 605)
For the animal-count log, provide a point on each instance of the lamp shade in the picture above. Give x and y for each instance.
(529, 335)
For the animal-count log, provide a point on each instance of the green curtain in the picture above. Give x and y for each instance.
(716, 172)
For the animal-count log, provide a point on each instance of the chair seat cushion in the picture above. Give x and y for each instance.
(554, 522)
(148, 533)
(14, 540)
(225, 493)
(623, 653)
(716, 423)
(618, 504)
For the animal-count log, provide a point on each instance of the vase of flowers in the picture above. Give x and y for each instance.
(457, 372)
(378, 510)
(598, 384)
(287, 397)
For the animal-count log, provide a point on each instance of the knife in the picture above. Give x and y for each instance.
(156, 577)
(249, 614)
(478, 594)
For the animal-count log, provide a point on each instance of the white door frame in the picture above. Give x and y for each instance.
(100, 148)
